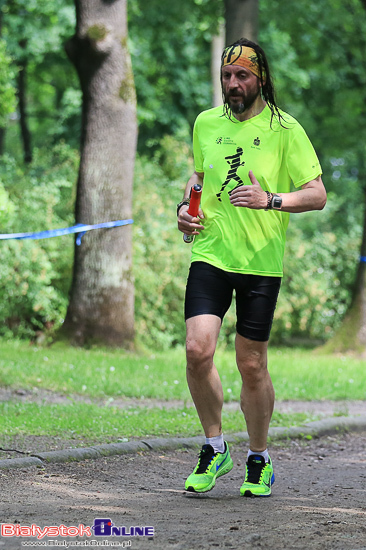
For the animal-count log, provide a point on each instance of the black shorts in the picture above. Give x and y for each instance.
(210, 291)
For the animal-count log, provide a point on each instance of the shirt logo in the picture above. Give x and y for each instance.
(234, 162)
(221, 140)
(257, 141)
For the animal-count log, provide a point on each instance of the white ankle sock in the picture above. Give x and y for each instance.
(216, 442)
(263, 453)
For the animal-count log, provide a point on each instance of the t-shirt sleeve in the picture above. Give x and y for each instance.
(302, 162)
(197, 152)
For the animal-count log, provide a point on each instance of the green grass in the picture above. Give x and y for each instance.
(296, 374)
(105, 424)
(97, 373)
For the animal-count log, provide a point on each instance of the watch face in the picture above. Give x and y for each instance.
(277, 202)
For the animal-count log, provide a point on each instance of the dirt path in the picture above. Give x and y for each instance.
(318, 500)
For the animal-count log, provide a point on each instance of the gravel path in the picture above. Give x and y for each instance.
(318, 499)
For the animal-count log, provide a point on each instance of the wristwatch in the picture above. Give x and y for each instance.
(180, 204)
(276, 202)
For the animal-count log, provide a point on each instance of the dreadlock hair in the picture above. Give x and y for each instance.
(268, 91)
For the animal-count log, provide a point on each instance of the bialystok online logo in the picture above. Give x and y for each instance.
(102, 527)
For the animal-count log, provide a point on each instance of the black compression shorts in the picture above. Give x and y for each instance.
(210, 291)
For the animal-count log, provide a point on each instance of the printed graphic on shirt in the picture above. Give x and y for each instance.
(234, 162)
(222, 140)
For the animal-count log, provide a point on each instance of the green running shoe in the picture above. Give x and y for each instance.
(210, 466)
(259, 477)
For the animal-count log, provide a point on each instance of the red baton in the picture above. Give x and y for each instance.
(194, 205)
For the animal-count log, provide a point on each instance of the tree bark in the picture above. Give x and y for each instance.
(101, 307)
(22, 99)
(241, 18)
(2, 129)
(351, 336)
(217, 46)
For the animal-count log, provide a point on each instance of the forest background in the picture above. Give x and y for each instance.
(317, 51)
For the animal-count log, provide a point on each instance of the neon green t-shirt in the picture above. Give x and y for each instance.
(243, 240)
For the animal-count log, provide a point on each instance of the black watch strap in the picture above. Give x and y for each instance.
(180, 204)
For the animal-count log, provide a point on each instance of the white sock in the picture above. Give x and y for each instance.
(263, 453)
(216, 442)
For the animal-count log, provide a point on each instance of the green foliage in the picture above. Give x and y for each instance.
(319, 67)
(28, 300)
(36, 28)
(171, 51)
(161, 258)
(320, 259)
(35, 275)
(7, 91)
(35, 33)
(317, 280)
(6, 208)
(327, 42)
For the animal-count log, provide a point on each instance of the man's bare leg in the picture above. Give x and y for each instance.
(257, 394)
(257, 402)
(202, 376)
(206, 390)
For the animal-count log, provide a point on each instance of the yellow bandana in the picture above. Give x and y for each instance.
(243, 56)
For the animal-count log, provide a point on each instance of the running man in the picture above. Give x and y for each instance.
(239, 246)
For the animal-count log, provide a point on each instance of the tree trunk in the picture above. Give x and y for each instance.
(217, 46)
(101, 307)
(351, 336)
(2, 129)
(241, 18)
(23, 117)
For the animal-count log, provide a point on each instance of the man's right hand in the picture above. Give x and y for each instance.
(188, 224)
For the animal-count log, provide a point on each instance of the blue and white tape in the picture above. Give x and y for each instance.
(79, 228)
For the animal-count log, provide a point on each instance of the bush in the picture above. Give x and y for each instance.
(320, 260)
(36, 274)
(161, 259)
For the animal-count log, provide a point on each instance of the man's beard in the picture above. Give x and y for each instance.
(237, 108)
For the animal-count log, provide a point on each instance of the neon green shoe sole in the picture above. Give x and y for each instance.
(259, 477)
(210, 466)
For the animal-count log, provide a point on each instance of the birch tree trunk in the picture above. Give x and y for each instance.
(101, 307)
(217, 47)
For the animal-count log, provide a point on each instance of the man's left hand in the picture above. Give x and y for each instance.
(249, 196)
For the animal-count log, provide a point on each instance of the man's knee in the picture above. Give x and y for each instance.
(202, 334)
(252, 367)
(199, 355)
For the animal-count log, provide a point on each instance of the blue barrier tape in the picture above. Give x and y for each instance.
(363, 259)
(80, 228)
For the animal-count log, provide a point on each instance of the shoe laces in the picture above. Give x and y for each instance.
(255, 467)
(206, 455)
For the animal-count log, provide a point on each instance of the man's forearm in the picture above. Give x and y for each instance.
(196, 177)
(312, 196)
